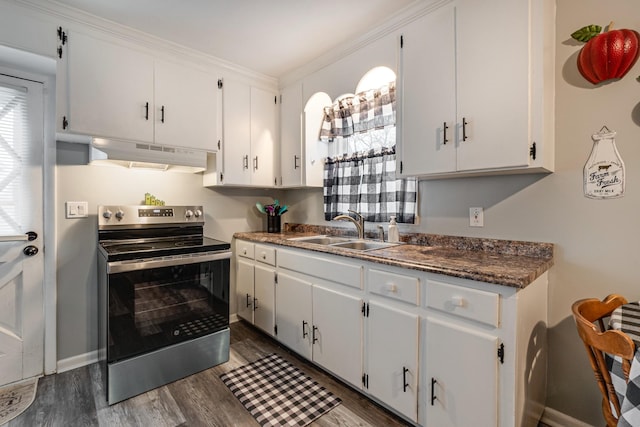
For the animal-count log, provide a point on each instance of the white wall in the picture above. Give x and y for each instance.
(596, 240)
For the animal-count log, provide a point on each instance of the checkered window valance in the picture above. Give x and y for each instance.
(365, 111)
(367, 183)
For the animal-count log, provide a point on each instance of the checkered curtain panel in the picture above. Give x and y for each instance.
(367, 184)
(372, 109)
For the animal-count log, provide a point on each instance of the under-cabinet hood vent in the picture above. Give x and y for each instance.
(146, 156)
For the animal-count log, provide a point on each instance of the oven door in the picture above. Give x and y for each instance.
(159, 302)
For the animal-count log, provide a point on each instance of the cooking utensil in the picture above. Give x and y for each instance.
(260, 207)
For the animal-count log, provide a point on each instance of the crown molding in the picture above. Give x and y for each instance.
(73, 17)
(391, 25)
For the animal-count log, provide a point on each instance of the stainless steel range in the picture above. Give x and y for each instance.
(163, 297)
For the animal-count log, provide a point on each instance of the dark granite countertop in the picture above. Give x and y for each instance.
(503, 262)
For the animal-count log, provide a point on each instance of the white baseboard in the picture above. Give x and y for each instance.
(233, 318)
(555, 418)
(77, 361)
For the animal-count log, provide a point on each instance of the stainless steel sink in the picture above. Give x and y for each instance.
(322, 240)
(364, 245)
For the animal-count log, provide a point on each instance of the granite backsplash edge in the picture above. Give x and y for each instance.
(497, 246)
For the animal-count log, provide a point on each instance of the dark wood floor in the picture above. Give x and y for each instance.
(76, 398)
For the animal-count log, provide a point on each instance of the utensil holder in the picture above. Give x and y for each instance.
(273, 223)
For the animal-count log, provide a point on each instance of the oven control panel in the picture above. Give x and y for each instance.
(155, 212)
(116, 216)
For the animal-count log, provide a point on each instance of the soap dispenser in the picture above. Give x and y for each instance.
(394, 237)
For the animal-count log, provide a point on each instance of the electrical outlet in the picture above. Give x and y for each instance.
(476, 217)
(77, 209)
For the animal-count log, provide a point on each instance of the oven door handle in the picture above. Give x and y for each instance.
(124, 266)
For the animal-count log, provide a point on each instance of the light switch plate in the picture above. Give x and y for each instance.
(476, 217)
(77, 209)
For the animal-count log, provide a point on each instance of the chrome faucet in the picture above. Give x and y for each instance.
(359, 221)
(381, 233)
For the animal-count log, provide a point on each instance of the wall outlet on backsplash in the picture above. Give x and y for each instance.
(476, 217)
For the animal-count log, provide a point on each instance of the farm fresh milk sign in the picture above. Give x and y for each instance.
(604, 170)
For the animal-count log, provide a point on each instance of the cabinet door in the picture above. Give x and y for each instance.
(493, 86)
(464, 365)
(428, 94)
(264, 134)
(185, 107)
(244, 289)
(293, 314)
(110, 89)
(389, 370)
(291, 136)
(264, 302)
(337, 324)
(236, 132)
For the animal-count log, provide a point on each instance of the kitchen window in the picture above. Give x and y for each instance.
(360, 172)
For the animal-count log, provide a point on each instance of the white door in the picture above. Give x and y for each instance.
(120, 78)
(393, 375)
(21, 260)
(264, 134)
(186, 104)
(244, 289)
(293, 314)
(337, 333)
(236, 131)
(264, 316)
(461, 379)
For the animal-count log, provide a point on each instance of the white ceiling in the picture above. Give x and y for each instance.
(269, 36)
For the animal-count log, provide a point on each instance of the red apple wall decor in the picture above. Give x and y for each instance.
(609, 55)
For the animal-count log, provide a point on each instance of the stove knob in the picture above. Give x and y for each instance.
(120, 214)
(107, 214)
(198, 213)
(188, 213)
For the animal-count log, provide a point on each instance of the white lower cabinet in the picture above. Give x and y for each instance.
(264, 300)
(244, 289)
(255, 285)
(461, 375)
(337, 333)
(437, 350)
(392, 357)
(293, 314)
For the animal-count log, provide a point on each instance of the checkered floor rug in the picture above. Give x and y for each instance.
(278, 394)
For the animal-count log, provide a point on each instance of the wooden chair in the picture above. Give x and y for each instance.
(589, 315)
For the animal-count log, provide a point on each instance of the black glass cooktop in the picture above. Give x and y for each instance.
(121, 250)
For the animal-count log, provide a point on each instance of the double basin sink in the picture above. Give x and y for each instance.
(345, 242)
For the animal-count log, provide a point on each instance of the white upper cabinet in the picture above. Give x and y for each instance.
(291, 136)
(488, 85)
(110, 90)
(264, 137)
(116, 91)
(301, 151)
(250, 134)
(427, 109)
(186, 103)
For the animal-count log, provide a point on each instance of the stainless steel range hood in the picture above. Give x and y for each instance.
(144, 155)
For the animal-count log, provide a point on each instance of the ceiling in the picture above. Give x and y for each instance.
(269, 36)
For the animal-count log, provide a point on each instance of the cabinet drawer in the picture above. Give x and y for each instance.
(328, 269)
(244, 249)
(470, 303)
(392, 285)
(265, 254)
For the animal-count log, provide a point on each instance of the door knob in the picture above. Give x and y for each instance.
(30, 250)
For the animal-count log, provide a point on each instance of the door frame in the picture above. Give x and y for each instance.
(26, 65)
